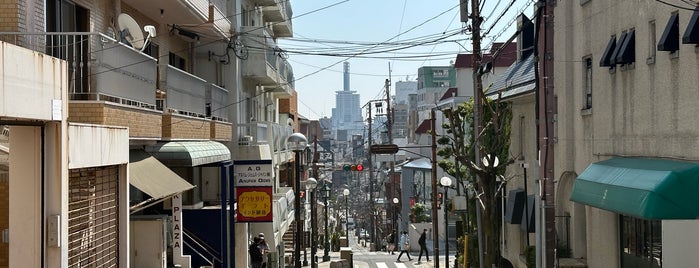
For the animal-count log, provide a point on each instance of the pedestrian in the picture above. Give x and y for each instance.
(423, 246)
(391, 243)
(404, 246)
(255, 253)
(264, 249)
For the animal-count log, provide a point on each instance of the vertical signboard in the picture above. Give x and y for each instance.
(254, 182)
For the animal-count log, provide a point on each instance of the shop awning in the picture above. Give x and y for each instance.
(641, 187)
(152, 177)
(189, 153)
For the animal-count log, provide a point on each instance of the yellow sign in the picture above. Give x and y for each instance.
(254, 204)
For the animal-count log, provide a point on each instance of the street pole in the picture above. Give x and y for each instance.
(371, 184)
(477, 110)
(435, 224)
(326, 249)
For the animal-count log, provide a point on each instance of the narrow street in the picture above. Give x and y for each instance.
(363, 257)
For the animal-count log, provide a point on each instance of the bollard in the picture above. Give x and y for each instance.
(351, 259)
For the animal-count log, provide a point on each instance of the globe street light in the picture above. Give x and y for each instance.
(297, 142)
(395, 218)
(346, 193)
(326, 194)
(446, 183)
(311, 185)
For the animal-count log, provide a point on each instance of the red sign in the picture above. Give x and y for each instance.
(254, 204)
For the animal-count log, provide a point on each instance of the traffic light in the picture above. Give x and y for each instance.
(357, 167)
(440, 198)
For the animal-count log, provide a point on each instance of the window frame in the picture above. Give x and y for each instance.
(587, 82)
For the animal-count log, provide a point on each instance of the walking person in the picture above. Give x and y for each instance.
(255, 253)
(264, 249)
(391, 243)
(404, 246)
(423, 246)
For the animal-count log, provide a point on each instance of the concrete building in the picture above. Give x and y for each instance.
(347, 115)
(401, 108)
(626, 133)
(167, 97)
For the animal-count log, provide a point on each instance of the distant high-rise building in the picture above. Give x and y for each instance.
(347, 114)
(346, 78)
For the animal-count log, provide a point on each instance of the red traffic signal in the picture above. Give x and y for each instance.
(357, 167)
(440, 198)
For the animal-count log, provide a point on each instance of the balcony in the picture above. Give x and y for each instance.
(280, 16)
(269, 133)
(99, 68)
(208, 15)
(110, 83)
(266, 67)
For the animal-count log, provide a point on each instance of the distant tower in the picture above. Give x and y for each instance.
(346, 76)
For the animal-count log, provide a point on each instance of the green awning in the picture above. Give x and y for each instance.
(189, 153)
(641, 187)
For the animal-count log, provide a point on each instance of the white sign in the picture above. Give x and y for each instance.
(251, 174)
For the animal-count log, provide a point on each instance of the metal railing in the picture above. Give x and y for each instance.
(267, 133)
(186, 93)
(99, 67)
(217, 102)
(203, 250)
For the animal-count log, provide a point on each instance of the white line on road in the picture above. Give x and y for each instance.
(381, 265)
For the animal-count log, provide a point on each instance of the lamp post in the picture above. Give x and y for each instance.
(446, 183)
(346, 193)
(395, 217)
(326, 194)
(311, 184)
(297, 142)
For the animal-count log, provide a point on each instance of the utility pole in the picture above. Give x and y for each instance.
(435, 215)
(371, 183)
(477, 111)
(545, 127)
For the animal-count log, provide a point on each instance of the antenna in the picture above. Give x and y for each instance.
(130, 32)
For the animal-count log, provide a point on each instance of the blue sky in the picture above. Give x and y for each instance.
(348, 30)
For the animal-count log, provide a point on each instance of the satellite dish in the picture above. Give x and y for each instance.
(131, 32)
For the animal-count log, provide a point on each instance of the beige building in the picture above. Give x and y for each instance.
(626, 89)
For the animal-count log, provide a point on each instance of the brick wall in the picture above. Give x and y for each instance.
(184, 127)
(221, 131)
(141, 123)
(9, 15)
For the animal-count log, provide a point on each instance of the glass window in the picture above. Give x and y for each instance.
(587, 104)
(641, 242)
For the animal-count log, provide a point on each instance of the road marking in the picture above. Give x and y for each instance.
(400, 265)
(381, 265)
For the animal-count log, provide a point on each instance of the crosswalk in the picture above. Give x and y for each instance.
(385, 265)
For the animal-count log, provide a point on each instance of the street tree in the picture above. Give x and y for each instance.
(459, 148)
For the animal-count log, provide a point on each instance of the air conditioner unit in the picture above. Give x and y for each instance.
(245, 140)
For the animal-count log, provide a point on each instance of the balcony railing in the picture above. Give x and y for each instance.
(186, 93)
(99, 67)
(217, 102)
(267, 67)
(267, 133)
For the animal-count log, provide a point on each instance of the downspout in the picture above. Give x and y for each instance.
(43, 197)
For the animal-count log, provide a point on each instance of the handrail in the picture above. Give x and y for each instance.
(202, 245)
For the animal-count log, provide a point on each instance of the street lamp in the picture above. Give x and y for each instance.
(346, 193)
(395, 217)
(297, 142)
(311, 185)
(446, 183)
(326, 194)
